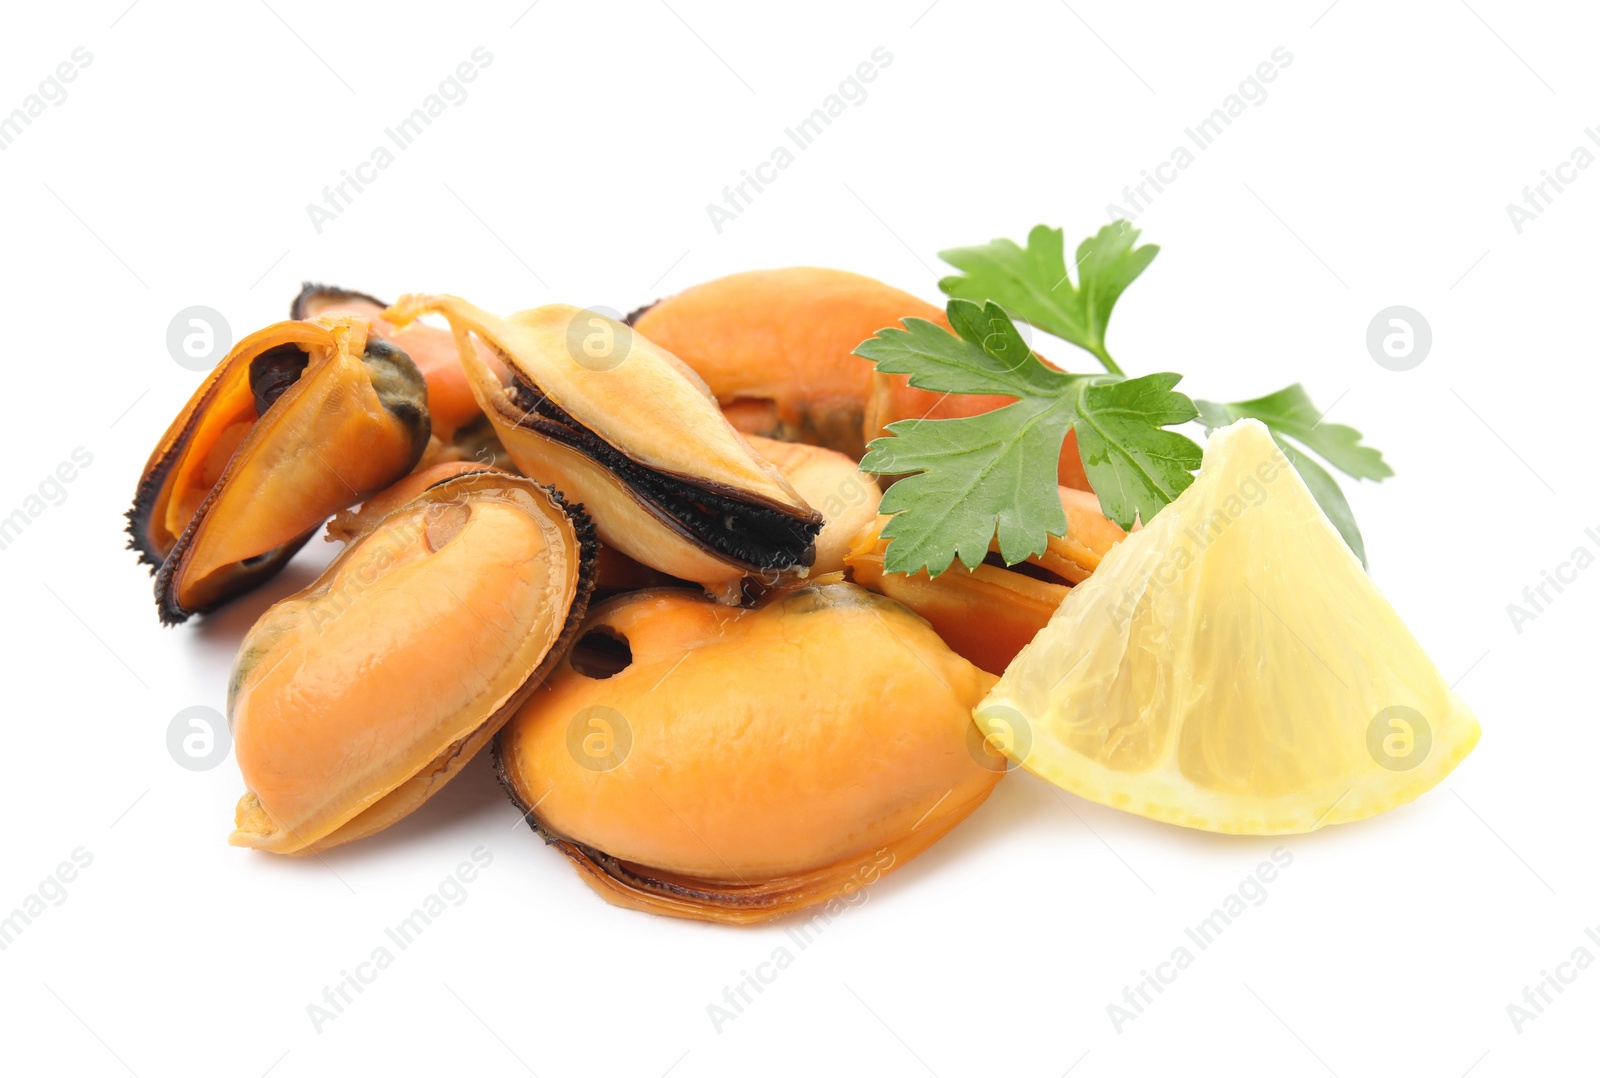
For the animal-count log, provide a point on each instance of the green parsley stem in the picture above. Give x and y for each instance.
(1105, 360)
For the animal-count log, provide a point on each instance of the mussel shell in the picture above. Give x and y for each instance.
(356, 699)
(300, 420)
(314, 299)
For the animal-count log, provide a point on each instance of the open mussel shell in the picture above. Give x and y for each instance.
(990, 612)
(736, 764)
(300, 420)
(355, 700)
(630, 432)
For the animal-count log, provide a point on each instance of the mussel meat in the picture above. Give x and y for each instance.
(989, 613)
(356, 699)
(734, 765)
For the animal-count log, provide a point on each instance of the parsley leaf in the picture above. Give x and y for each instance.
(972, 479)
(1290, 412)
(1134, 465)
(976, 476)
(987, 355)
(1290, 415)
(1035, 284)
(979, 474)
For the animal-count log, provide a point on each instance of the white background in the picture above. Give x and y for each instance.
(1377, 172)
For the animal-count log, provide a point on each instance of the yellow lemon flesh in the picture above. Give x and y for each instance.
(1231, 667)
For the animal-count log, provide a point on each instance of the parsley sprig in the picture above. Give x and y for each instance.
(977, 479)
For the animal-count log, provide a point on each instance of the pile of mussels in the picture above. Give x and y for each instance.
(637, 556)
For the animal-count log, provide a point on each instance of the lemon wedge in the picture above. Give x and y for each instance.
(1231, 667)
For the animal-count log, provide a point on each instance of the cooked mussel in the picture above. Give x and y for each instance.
(735, 764)
(300, 420)
(988, 613)
(632, 434)
(353, 701)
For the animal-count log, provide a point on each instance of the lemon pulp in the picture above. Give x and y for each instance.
(1232, 667)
